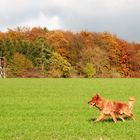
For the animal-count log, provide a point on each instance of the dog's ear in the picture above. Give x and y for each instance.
(97, 95)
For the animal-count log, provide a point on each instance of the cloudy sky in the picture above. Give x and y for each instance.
(120, 17)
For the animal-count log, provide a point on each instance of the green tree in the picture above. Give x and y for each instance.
(45, 52)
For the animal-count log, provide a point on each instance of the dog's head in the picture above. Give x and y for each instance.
(95, 99)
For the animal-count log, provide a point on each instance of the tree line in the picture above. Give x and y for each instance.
(39, 52)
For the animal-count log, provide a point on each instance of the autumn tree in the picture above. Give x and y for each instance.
(58, 42)
(20, 65)
(56, 53)
(58, 66)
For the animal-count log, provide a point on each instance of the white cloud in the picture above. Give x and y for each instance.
(118, 16)
(43, 21)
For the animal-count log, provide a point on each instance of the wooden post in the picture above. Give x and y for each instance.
(2, 67)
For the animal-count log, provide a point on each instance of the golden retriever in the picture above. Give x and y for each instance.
(112, 108)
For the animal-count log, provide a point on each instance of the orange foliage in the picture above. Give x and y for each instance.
(109, 55)
(58, 41)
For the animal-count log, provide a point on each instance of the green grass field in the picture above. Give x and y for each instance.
(57, 109)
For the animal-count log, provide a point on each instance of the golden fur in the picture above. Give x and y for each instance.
(112, 108)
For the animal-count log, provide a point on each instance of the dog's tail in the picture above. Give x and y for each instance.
(131, 101)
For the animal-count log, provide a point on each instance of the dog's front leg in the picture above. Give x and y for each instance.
(113, 116)
(101, 117)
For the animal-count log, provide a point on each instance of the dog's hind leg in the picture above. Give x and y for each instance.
(121, 117)
(130, 115)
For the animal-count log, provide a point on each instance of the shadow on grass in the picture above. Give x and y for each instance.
(109, 120)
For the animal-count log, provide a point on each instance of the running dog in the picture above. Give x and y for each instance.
(112, 108)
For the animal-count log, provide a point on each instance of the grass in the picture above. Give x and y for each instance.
(57, 109)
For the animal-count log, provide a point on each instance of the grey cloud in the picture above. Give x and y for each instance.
(120, 17)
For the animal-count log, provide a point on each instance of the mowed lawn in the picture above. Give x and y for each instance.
(57, 109)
